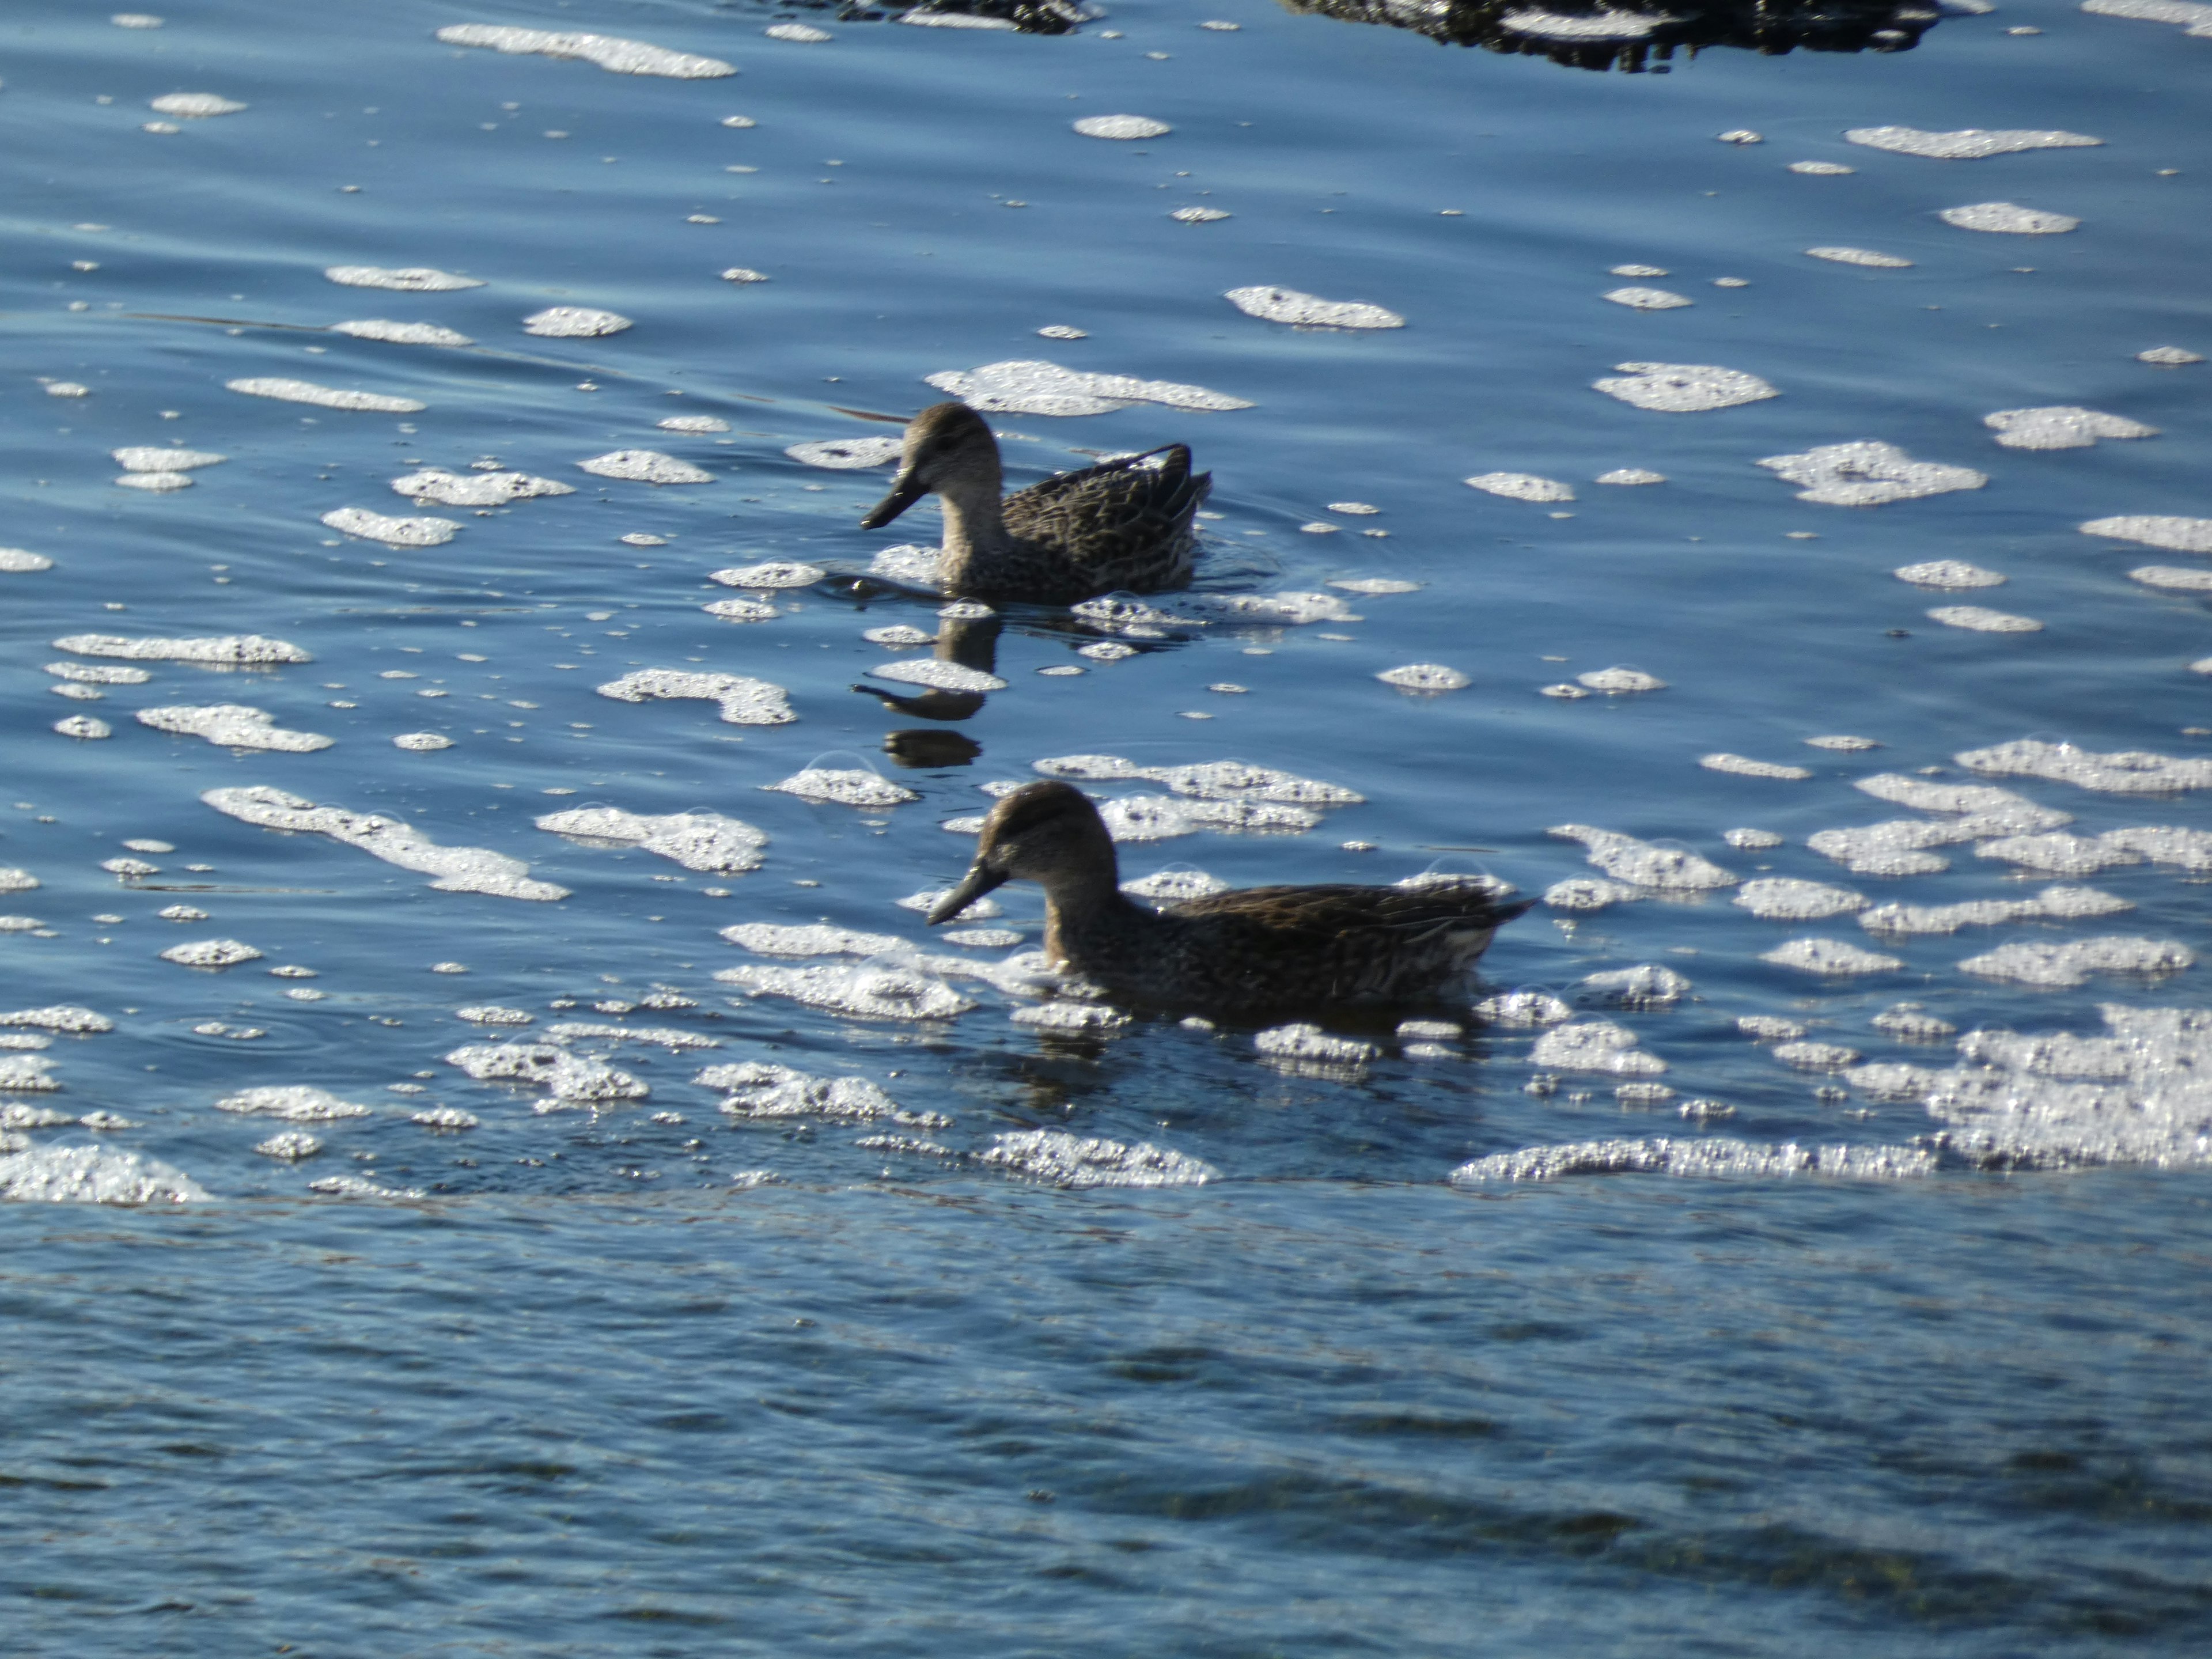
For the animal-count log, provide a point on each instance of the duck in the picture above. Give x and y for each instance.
(1123, 526)
(1241, 952)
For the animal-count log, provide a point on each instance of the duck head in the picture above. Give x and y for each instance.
(1048, 833)
(949, 451)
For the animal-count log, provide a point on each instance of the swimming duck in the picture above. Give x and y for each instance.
(1123, 525)
(1253, 949)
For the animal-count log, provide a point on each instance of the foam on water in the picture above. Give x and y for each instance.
(645, 466)
(657, 1036)
(405, 279)
(457, 869)
(569, 1079)
(83, 726)
(1630, 475)
(466, 490)
(775, 574)
(1684, 388)
(289, 1145)
(241, 650)
(1779, 898)
(1062, 1159)
(1070, 1018)
(574, 323)
(1123, 127)
(1830, 956)
(93, 1175)
(1586, 893)
(391, 333)
(696, 423)
(1978, 619)
(1948, 573)
(1026, 387)
(1173, 886)
(2175, 534)
(2061, 426)
(2008, 218)
(422, 742)
(1646, 299)
(194, 105)
(146, 458)
(697, 840)
(867, 991)
(1595, 1046)
(1521, 487)
(211, 953)
(1821, 169)
(1424, 676)
(232, 725)
(16, 561)
(1705, 1158)
(1744, 766)
(62, 1017)
(1644, 864)
(1868, 474)
(813, 940)
(2173, 578)
(323, 396)
(759, 1090)
(610, 52)
(28, 1074)
(847, 454)
(1205, 781)
(1646, 986)
(938, 675)
(1184, 216)
(1163, 817)
(392, 532)
(1604, 25)
(842, 787)
(1287, 304)
(2051, 904)
(1523, 1009)
(2125, 772)
(743, 701)
(293, 1103)
(2037, 963)
(1815, 1056)
(1969, 143)
(1859, 256)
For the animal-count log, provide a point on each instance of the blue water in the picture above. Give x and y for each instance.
(598, 1391)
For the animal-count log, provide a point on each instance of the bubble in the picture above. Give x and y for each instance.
(1829, 956)
(84, 727)
(898, 633)
(798, 34)
(233, 726)
(1971, 144)
(2169, 357)
(2070, 964)
(1859, 256)
(391, 333)
(1520, 487)
(1070, 1018)
(1684, 388)
(1310, 1043)
(576, 323)
(815, 939)
(569, 1079)
(1821, 169)
(1816, 1056)
(1163, 817)
(1062, 1159)
(1948, 572)
(1031, 387)
(1287, 304)
(193, 105)
(1644, 986)
(1595, 1046)
(610, 52)
(93, 1175)
(2177, 535)
(1646, 299)
(1783, 899)
(1708, 1158)
(1743, 766)
(323, 396)
(1424, 676)
(2009, 219)
(457, 869)
(28, 1074)
(406, 279)
(2131, 772)
(1620, 681)
(422, 742)
(148, 458)
(291, 1102)
(867, 990)
(466, 490)
(1106, 651)
(1121, 127)
(776, 572)
(847, 454)
(289, 1145)
(697, 840)
(1197, 215)
(744, 701)
(1868, 474)
(15, 562)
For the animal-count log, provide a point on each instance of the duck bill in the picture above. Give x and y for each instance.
(979, 881)
(906, 490)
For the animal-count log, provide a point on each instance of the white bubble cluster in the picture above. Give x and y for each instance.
(1970, 144)
(1645, 863)
(1646, 299)
(1595, 1046)
(847, 454)
(406, 279)
(866, 990)
(2061, 426)
(1684, 388)
(646, 466)
(2008, 218)
(1062, 1159)
(1868, 474)
(392, 532)
(1287, 304)
(2069, 965)
(574, 323)
(1521, 487)
(1779, 898)
(2124, 772)
(457, 869)
(743, 701)
(232, 725)
(323, 396)
(1859, 256)
(1121, 127)
(1744, 767)
(2175, 534)
(1022, 386)
(1948, 572)
(228, 650)
(842, 787)
(391, 333)
(467, 489)
(697, 840)
(1829, 956)
(1713, 1158)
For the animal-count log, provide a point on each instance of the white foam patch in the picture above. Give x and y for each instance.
(842, 787)
(1868, 474)
(1173, 886)
(422, 742)
(1684, 388)
(1424, 676)
(2070, 964)
(245, 650)
(574, 323)
(2061, 426)
(742, 275)
(1287, 304)
(693, 423)
(1521, 487)
(2126, 772)
(697, 840)
(1375, 586)
(291, 1102)
(847, 454)
(211, 953)
(323, 396)
(1646, 986)
(1163, 818)
(391, 333)
(493, 1014)
(1121, 127)
(2051, 904)
(64, 1017)
(456, 869)
(938, 675)
(776, 572)
(646, 466)
(1712, 1158)
(610, 52)
(1744, 767)
(1949, 574)
(1595, 1046)
(798, 34)
(1070, 1018)
(405, 279)
(1543, 25)
(2170, 356)
(1842, 744)
(1287, 610)
(16, 561)
(1646, 299)
(1830, 956)
(136, 20)
(1751, 839)
(1523, 1009)
(1641, 271)
(743, 701)
(1630, 475)
(289, 1145)
(1310, 1043)
(155, 483)
(93, 1175)
(1644, 864)
(569, 1079)
(1062, 1159)
(84, 726)
(771, 939)
(755, 1090)
(145, 457)
(1769, 1028)
(1784, 899)
(1587, 893)
(194, 105)
(28, 1074)
(18, 924)
(1968, 144)
(657, 1036)
(1228, 780)
(1816, 1056)
(1183, 215)
(233, 726)
(1859, 256)
(1821, 169)
(468, 489)
(2060, 854)
(2008, 218)
(866, 990)
(1022, 386)
(898, 633)
(1978, 619)
(2174, 534)
(2173, 578)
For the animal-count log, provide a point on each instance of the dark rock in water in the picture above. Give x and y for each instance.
(924, 748)
(1630, 36)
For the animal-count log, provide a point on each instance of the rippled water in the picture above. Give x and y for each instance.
(849, 1350)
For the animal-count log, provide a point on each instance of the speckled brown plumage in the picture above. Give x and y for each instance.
(1244, 952)
(1121, 525)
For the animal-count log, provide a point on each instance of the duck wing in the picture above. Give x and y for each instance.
(1125, 523)
(1302, 914)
